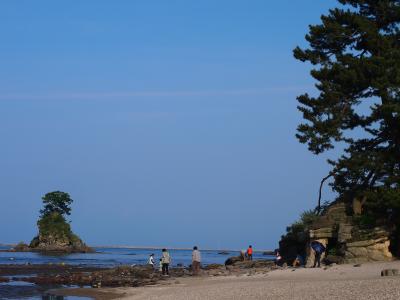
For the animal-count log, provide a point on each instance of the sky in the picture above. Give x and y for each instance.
(170, 123)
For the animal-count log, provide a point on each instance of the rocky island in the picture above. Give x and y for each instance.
(55, 233)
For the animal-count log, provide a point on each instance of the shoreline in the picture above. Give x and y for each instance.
(336, 282)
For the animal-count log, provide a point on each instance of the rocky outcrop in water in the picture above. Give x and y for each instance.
(56, 242)
(55, 235)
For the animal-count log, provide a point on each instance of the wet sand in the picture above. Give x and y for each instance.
(337, 282)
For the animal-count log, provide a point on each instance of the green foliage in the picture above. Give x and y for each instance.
(296, 237)
(298, 229)
(54, 224)
(58, 202)
(308, 217)
(356, 57)
(53, 227)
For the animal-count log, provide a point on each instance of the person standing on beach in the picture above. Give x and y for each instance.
(151, 260)
(196, 260)
(166, 260)
(250, 253)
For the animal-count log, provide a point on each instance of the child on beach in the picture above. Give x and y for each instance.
(151, 260)
(160, 265)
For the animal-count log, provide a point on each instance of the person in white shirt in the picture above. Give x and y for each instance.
(151, 260)
(196, 260)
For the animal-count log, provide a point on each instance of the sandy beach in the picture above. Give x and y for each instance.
(336, 282)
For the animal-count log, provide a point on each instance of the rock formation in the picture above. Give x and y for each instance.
(345, 240)
(55, 235)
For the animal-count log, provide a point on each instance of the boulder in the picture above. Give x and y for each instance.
(390, 272)
(233, 260)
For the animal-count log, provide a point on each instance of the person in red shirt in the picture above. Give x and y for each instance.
(250, 253)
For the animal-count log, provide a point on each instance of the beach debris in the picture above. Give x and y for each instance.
(390, 272)
(357, 265)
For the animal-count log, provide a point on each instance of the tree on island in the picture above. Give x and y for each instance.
(55, 232)
(57, 201)
(355, 54)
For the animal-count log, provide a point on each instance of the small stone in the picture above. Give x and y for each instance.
(390, 272)
(357, 265)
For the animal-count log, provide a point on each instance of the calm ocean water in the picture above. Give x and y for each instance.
(111, 257)
(104, 257)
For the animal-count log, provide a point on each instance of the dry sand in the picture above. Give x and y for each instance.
(337, 282)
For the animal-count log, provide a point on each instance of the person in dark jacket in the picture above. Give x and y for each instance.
(318, 249)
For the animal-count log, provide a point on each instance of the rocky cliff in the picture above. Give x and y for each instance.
(345, 240)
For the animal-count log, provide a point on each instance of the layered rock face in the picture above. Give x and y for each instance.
(59, 243)
(337, 230)
(376, 248)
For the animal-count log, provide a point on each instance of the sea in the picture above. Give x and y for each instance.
(103, 257)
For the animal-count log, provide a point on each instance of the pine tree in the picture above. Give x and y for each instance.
(355, 54)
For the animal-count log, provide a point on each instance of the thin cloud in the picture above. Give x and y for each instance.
(147, 94)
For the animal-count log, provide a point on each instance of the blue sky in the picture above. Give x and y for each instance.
(170, 123)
